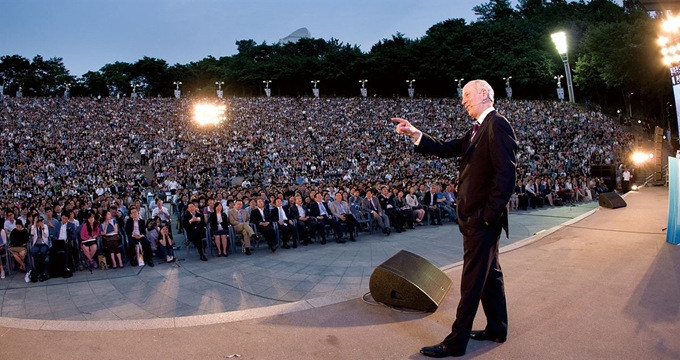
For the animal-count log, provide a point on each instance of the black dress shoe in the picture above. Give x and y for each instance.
(323, 241)
(150, 263)
(352, 239)
(388, 231)
(340, 241)
(248, 251)
(203, 258)
(483, 335)
(440, 351)
(295, 245)
(285, 246)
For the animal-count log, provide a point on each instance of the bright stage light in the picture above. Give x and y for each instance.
(634, 187)
(662, 41)
(207, 114)
(639, 157)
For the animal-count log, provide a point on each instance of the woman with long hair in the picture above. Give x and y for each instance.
(88, 239)
(219, 224)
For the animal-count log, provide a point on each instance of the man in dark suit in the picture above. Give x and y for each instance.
(261, 217)
(323, 216)
(286, 225)
(487, 179)
(430, 202)
(306, 224)
(135, 228)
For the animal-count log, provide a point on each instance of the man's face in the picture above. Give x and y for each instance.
(384, 191)
(474, 99)
(298, 200)
(369, 195)
(239, 205)
(260, 203)
(338, 197)
(318, 198)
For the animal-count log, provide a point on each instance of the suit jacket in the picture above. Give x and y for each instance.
(294, 213)
(196, 228)
(233, 216)
(314, 209)
(366, 205)
(335, 208)
(212, 221)
(129, 226)
(428, 197)
(274, 214)
(256, 217)
(70, 235)
(487, 171)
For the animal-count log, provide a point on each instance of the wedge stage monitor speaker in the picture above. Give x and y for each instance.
(409, 281)
(611, 200)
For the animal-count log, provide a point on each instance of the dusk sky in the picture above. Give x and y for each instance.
(88, 34)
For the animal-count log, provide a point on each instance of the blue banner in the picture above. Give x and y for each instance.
(673, 230)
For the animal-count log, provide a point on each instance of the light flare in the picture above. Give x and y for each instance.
(208, 114)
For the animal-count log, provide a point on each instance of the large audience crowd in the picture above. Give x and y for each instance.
(81, 155)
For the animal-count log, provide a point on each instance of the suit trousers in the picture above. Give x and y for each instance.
(382, 220)
(245, 230)
(482, 279)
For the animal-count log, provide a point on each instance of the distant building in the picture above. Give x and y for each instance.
(295, 36)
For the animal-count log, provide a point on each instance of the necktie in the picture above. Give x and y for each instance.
(474, 130)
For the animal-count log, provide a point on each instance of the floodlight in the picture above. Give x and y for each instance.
(560, 40)
(205, 114)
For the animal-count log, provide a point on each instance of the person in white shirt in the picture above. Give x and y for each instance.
(40, 247)
(625, 184)
(161, 212)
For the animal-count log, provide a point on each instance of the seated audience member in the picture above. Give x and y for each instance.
(111, 239)
(306, 224)
(88, 239)
(18, 239)
(239, 219)
(341, 211)
(418, 211)
(219, 228)
(40, 248)
(430, 202)
(371, 206)
(165, 244)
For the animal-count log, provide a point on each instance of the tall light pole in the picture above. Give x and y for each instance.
(177, 91)
(630, 108)
(315, 90)
(460, 87)
(411, 90)
(67, 92)
(560, 91)
(267, 90)
(134, 86)
(508, 89)
(560, 40)
(363, 90)
(219, 88)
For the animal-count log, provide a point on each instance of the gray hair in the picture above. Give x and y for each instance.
(483, 85)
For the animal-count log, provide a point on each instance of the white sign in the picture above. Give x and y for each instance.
(316, 92)
(460, 92)
(508, 91)
(268, 91)
(364, 92)
(178, 93)
(133, 95)
(411, 92)
(560, 93)
(220, 93)
(19, 94)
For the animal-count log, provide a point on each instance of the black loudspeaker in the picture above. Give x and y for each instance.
(611, 200)
(409, 281)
